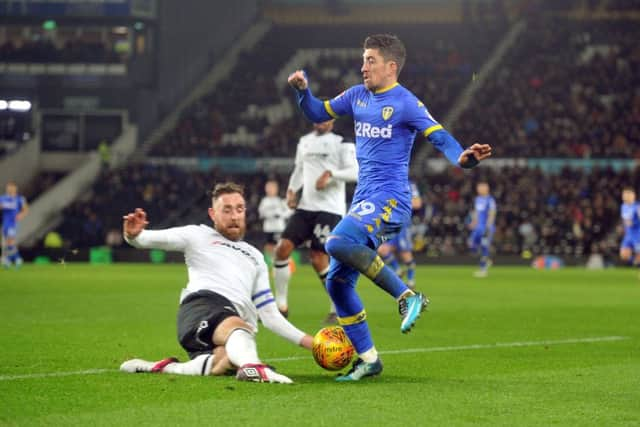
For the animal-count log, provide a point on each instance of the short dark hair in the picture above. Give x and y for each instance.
(226, 188)
(390, 46)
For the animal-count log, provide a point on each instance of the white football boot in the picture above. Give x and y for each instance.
(261, 374)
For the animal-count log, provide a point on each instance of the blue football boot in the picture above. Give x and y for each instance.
(410, 308)
(361, 369)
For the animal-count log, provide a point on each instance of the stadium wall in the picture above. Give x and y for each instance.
(22, 165)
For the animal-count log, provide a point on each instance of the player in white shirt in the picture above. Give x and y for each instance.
(324, 164)
(228, 289)
(273, 211)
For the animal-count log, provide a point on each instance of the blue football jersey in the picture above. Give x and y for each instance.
(483, 205)
(11, 207)
(630, 213)
(386, 123)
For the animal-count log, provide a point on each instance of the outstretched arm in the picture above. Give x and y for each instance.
(419, 118)
(133, 228)
(313, 108)
(453, 151)
(271, 317)
(274, 321)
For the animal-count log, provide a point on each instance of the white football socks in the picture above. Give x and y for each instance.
(370, 355)
(241, 348)
(281, 276)
(201, 365)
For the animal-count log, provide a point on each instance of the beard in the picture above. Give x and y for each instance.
(233, 232)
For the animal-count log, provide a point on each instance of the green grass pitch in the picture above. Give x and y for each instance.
(521, 347)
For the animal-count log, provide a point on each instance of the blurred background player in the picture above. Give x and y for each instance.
(400, 248)
(483, 224)
(630, 213)
(14, 209)
(228, 290)
(273, 211)
(324, 164)
(387, 118)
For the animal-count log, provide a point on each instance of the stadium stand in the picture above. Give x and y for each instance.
(252, 113)
(563, 91)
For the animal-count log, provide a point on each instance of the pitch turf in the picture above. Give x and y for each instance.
(512, 349)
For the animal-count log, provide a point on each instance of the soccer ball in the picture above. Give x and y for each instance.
(332, 349)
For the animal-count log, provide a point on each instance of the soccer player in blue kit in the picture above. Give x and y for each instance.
(387, 118)
(630, 214)
(14, 207)
(483, 225)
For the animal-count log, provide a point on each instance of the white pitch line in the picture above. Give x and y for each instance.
(482, 346)
(403, 351)
(56, 374)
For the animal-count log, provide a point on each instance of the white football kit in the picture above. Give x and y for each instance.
(233, 269)
(316, 154)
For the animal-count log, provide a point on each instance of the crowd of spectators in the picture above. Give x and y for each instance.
(572, 213)
(566, 89)
(45, 50)
(161, 191)
(252, 114)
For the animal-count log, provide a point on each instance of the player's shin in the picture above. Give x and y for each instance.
(241, 348)
(484, 258)
(281, 276)
(12, 253)
(351, 314)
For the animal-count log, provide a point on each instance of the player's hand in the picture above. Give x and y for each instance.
(323, 181)
(307, 342)
(292, 200)
(479, 151)
(134, 223)
(297, 80)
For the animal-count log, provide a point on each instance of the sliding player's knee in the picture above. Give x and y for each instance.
(227, 326)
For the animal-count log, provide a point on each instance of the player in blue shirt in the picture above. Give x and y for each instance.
(401, 246)
(483, 225)
(630, 213)
(14, 208)
(387, 117)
